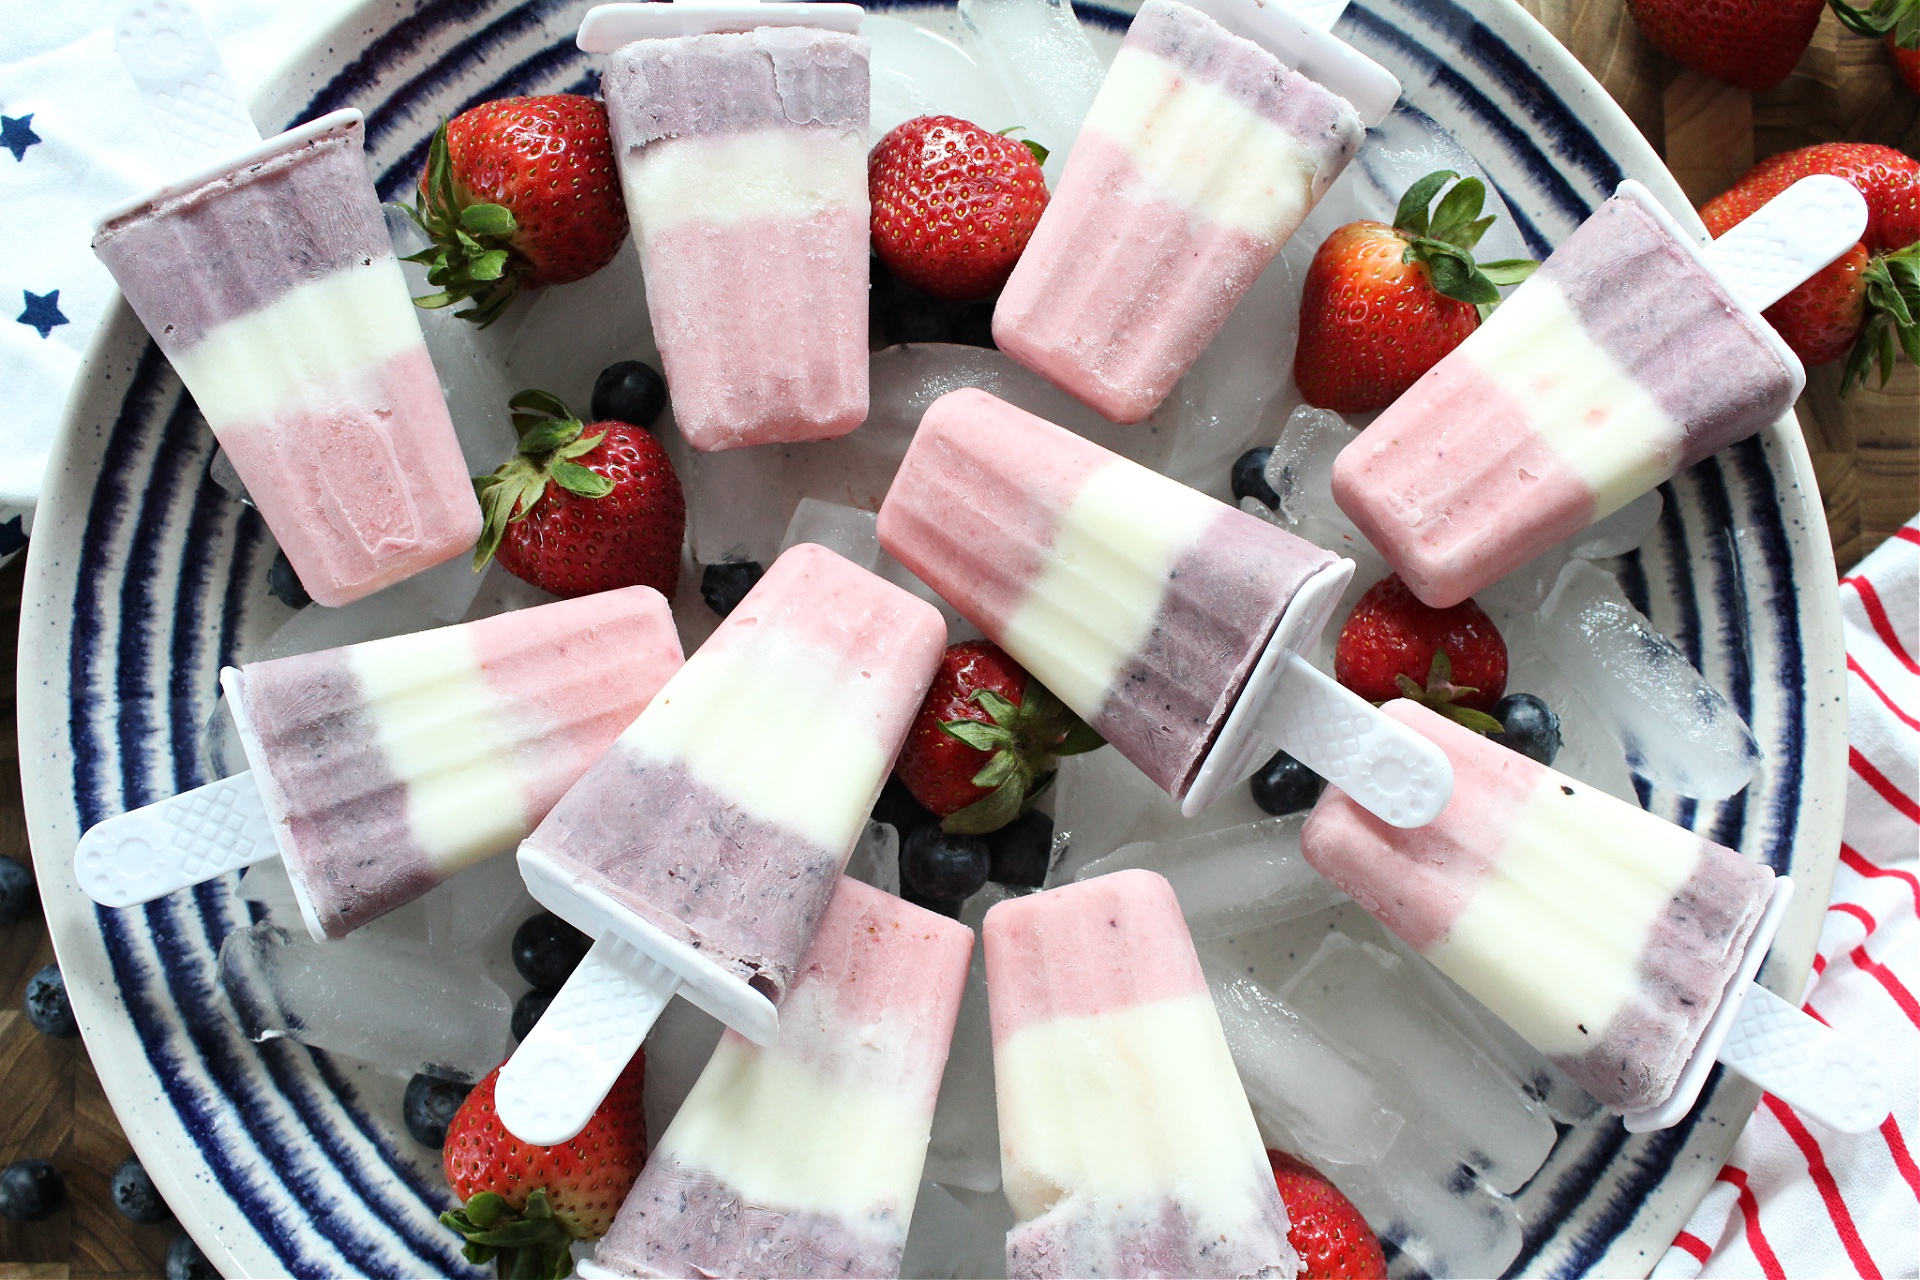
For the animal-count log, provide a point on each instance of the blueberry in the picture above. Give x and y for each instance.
(631, 391)
(186, 1262)
(134, 1194)
(949, 907)
(914, 317)
(723, 586)
(284, 583)
(428, 1107)
(1250, 478)
(973, 327)
(527, 1010)
(30, 1190)
(1021, 851)
(1532, 728)
(943, 867)
(48, 1008)
(897, 807)
(1284, 785)
(546, 949)
(17, 893)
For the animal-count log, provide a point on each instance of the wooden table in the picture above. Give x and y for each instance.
(1866, 452)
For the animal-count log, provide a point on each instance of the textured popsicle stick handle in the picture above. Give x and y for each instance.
(1388, 769)
(609, 26)
(561, 1072)
(173, 60)
(1807, 1064)
(176, 843)
(1789, 238)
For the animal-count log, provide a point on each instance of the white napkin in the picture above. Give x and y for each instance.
(73, 140)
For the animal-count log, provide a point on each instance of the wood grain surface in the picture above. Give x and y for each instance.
(1865, 447)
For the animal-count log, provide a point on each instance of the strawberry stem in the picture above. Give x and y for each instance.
(528, 1245)
(550, 438)
(1897, 18)
(1444, 238)
(1023, 740)
(470, 259)
(1893, 316)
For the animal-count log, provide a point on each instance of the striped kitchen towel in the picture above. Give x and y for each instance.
(1794, 1199)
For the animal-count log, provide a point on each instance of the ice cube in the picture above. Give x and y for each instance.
(367, 997)
(1100, 800)
(1590, 749)
(554, 351)
(220, 742)
(501, 592)
(918, 72)
(876, 858)
(1295, 1078)
(1471, 1111)
(965, 1146)
(220, 471)
(1218, 410)
(485, 899)
(677, 1049)
(1301, 472)
(318, 627)
(1623, 531)
(1231, 880)
(266, 885)
(443, 593)
(1680, 733)
(1043, 63)
(1449, 1226)
(938, 1236)
(846, 530)
(992, 1219)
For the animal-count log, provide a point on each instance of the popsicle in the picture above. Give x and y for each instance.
(1127, 1147)
(1633, 353)
(803, 1158)
(702, 848)
(1203, 151)
(1619, 945)
(743, 155)
(269, 283)
(380, 769)
(1169, 621)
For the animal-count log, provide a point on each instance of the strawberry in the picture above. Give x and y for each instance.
(1391, 641)
(527, 1204)
(517, 193)
(982, 746)
(1752, 44)
(1330, 1235)
(1899, 22)
(953, 205)
(1866, 304)
(613, 516)
(1382, 304)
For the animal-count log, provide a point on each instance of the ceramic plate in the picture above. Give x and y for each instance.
(145, 577)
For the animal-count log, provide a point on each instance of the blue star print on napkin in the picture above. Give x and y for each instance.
(16, 134)
(43, 311)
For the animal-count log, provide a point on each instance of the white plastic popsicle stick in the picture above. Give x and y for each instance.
(175, 843)
(610, 26)
(563, 1070)
(1807, 1064)
(173, 60)
(1308, 48)
(1789, 238)
(1289, 705)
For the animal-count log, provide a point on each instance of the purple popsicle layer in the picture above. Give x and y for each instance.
(723, 816)
(1620, 363)
(1142, 603)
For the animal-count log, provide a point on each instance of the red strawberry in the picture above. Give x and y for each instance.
(982, 746)
(541, 1199)
(1868, 301)
(1899, 22)
(1392, 642)
(953, 205)
(613, 515)
(519, 192)
(1332, 1238)
(1749, 43)
(1382, 304)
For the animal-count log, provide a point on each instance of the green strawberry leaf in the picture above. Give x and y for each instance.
(1478, 721)
(1040, 153)
(1078, 740)
(531, 1243)
(488, 220)
(1444, 240)
(1454, 219)
(978, 734)
(1893, 318)
(1411, 216)
(1509, 270)
(1454, 276)
(1899, 18)
(989, 813)
(575, 478)
(548, 434)
(1003, 765)
(580, 447)
(488, 265)
(542, 402)
(1003, 711)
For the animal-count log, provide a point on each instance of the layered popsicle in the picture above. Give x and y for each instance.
(744, 161)
(1127, 1147)
(1200, 155)
(1142, 603)
(804, 1158)
(1621, 362)
(390, 765)
(271, 286)
(1603, 934)
(722, 817)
